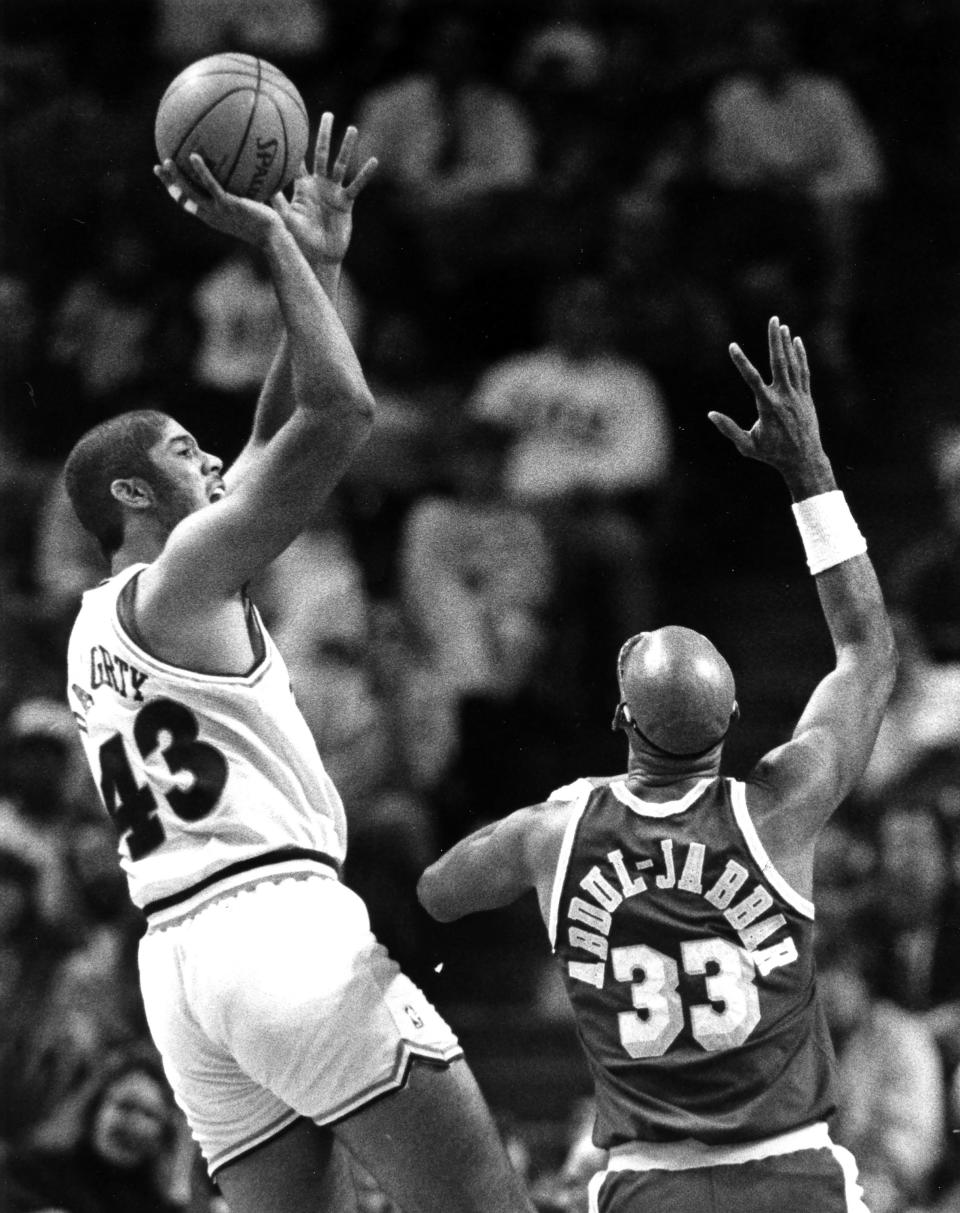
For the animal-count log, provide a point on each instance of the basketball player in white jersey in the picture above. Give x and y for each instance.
(288, 1035)
(679, 904)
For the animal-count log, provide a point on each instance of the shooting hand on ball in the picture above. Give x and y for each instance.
(320, 213)
(786, 434)
(250, 221)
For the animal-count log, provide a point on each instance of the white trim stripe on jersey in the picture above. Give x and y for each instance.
(738, 798)
(580, 795)
(157, 666)
(226, 884)
(687, 1155)
(649, 808)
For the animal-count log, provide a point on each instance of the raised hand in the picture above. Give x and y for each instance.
(320, 213)
(241, 217)
(786, 433)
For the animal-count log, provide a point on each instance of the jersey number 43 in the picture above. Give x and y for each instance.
(134, 808)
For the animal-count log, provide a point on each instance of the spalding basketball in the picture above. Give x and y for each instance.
(243, 116)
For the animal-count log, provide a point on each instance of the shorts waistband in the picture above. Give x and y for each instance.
(689, 1154)
(273, 865)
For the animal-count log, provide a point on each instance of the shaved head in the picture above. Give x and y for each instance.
(676, 690)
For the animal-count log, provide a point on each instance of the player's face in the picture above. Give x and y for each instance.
(129, 1127)
(191, 478)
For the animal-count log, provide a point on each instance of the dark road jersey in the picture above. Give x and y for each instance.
(688, 961)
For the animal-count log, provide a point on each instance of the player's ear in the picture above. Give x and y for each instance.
(133, 492)
(621, 717)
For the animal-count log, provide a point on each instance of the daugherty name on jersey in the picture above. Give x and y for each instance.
(107, 669)
(606, 888)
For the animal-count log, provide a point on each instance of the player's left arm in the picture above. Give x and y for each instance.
(320, 217)
(489, 868)
(805, 780)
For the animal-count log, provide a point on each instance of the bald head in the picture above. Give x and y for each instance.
(676, 689)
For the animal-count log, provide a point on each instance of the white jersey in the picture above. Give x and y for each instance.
(208, 778)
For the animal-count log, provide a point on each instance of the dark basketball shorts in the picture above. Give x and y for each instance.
(816, 1176)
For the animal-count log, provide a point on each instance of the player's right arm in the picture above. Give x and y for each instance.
(320, 217)
(795, 788)
(214, 551)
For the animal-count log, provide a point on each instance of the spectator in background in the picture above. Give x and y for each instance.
(284, 29)
(316, 606)
(39, 804)
(454, 150)
(238, 327)
(30, 955)
(403, 458)
(115, 330)
(922, 717)
(665, 309)
(477, 584)
(890, 1090)
(591, 454)
(96, 985)
(20, 360)
(947, 1197)
(67, 560)
(558, 75)
(445, 134)
(915, 915)
(112, 1147)
(565, 1189)
(924, 583)
(843, 867)
(796, 161)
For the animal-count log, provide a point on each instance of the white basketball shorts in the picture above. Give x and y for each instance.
(277, 1002)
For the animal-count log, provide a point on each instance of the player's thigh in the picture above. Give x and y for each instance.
(433, 1145)
(302, 1170)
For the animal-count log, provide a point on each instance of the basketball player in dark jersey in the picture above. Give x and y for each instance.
(679, 903)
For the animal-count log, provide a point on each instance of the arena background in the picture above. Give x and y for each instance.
(606, 206)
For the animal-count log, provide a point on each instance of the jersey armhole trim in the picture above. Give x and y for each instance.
(738, 799)
(130, 637)
(563, 860)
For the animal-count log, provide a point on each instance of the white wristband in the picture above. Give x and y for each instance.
(828, 530)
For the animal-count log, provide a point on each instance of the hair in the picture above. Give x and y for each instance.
(114, 449)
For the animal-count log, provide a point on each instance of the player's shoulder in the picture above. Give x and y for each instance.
(579, 790)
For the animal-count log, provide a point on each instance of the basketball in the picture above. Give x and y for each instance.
(243, 116)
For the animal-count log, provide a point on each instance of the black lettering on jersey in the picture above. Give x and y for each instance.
(173, 727)
(132, 808)
(107, 669)
(182, 753)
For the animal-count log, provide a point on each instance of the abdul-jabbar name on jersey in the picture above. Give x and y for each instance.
(688, 961)
(202, 774)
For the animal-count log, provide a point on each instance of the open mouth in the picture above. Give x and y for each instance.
(218, 491)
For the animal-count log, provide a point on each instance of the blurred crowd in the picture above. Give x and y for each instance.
(579, 205)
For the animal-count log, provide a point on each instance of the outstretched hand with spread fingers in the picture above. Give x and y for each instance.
(786, 433)
(320, 212)
(241, 217)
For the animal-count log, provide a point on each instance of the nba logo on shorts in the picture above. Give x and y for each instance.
(413, 1016)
